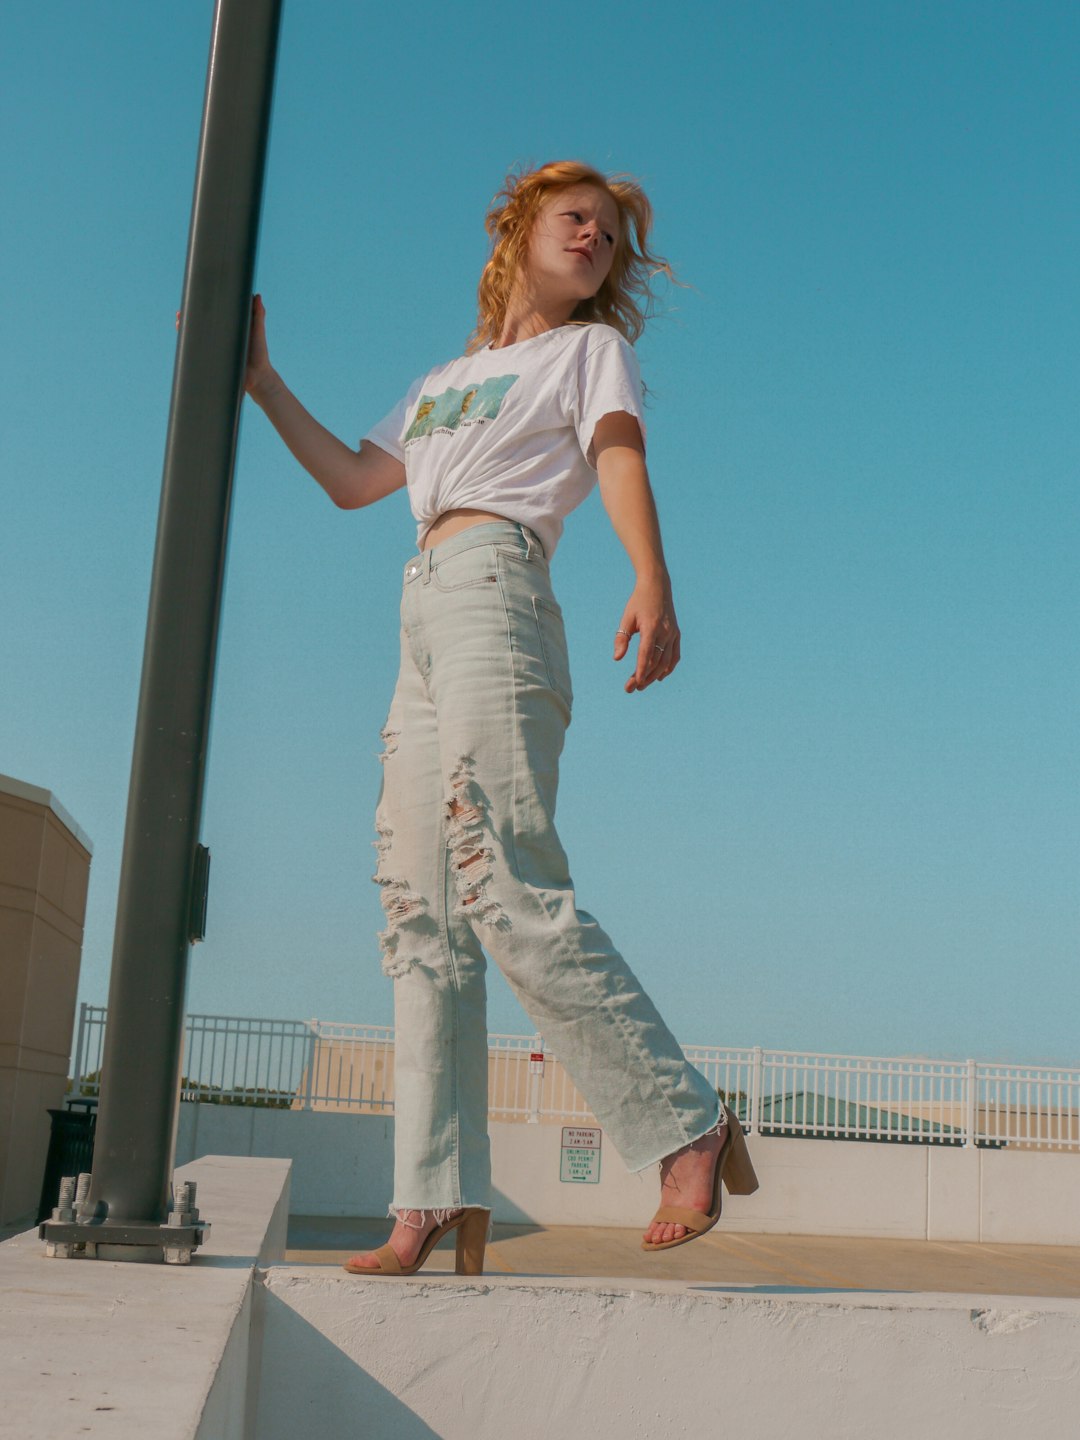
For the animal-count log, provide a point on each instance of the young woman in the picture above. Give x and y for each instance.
(496, 448)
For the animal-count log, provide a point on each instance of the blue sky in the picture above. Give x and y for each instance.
(851, 821)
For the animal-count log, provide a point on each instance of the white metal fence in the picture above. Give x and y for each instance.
(318, 1065)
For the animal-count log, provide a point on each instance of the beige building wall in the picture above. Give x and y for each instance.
(44, 871)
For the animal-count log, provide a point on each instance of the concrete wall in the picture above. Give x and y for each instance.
(44, 872)
(343, 1165)
(130, 1351)
(634, 1360)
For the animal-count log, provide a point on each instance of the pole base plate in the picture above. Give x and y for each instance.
(85, 1240)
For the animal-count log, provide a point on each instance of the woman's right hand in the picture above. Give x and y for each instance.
(259, 370)
(351, 478)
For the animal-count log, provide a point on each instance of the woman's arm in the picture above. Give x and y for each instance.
(351, 478)
(628, 500)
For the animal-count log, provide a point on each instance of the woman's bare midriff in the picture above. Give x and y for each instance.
(450, 522)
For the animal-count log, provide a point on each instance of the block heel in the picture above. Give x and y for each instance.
(472, 1237)
(737, 1167)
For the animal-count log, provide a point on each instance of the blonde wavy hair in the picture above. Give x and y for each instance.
(623, 301)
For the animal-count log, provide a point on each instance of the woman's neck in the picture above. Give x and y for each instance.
(528, 316)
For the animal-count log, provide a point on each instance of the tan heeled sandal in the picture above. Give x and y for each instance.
(472, 1227)
(734, 1167)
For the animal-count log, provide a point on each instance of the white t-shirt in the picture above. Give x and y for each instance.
(510, 430)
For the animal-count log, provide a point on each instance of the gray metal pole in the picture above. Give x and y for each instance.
(163, 872)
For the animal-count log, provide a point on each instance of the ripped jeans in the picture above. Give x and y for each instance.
(469, 858)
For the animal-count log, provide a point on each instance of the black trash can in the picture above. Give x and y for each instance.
(71, 1149)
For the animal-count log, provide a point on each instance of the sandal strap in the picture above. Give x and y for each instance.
(691, 1219)
(389, 1264)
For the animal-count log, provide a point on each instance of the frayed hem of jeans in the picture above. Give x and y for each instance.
(440, 1216)
(714, 1129)
(721, 1124)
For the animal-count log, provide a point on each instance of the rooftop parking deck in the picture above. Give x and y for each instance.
(754, 1262)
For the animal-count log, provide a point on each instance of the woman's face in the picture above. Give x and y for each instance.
(573, 242)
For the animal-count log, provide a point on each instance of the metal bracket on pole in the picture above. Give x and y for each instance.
(200, 894)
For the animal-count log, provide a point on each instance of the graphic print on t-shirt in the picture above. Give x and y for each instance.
(445, 413)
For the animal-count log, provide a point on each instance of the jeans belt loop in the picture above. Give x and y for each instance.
(427, 565)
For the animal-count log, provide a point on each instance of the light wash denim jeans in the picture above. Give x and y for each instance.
(469, 858)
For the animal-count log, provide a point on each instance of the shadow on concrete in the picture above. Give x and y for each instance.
(307, 1386)
(796, 1290)
(505, 1230)
(25, 1227)
(513, 1213)
(223, 1262)
(364, 1232)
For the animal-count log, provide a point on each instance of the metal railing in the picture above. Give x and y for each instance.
(318, 1065)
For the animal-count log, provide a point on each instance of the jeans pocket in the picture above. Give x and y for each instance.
(549, 625)
(474, 566)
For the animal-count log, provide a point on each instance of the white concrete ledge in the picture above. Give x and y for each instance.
(95, 1347)
(617, 1360)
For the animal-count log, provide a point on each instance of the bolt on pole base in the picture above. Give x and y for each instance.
(68, 1235)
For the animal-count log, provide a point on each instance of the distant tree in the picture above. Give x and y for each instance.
(206, 1094)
